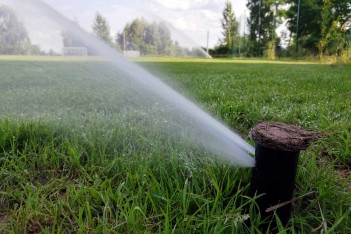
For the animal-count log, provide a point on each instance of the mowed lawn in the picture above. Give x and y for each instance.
(93, 174)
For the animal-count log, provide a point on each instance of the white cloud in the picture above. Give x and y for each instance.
(181, 23)
(190, 19)
(194, 17)
(173, 4)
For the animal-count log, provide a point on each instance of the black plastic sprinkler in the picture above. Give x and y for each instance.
(278, 146)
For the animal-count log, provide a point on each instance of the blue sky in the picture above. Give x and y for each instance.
(189, 20)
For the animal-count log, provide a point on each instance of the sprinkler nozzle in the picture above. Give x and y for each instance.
(278, 146)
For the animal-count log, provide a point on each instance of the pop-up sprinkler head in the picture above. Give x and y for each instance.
(278, 146)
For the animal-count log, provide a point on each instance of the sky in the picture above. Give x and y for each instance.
(189, 20)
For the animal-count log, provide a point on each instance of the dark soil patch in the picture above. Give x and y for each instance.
(344, 174)
(3, 218)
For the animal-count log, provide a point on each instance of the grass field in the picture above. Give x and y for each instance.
(75, 158)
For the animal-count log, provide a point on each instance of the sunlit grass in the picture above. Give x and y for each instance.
(220, 60)
(155, 59)
(49, 58)
(119, 173)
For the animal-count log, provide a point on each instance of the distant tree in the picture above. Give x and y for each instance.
(307, 26)
(69, 40)
(256, 23)
(134, 35)
(165, 44)
(35, 50)
(265, 18)
(13, 35)
(320, 25)
(102, 29)
(148, 38)
(178, 50)
(152, 38)
(230, 27)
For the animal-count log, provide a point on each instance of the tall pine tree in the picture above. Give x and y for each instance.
(13, 36)
(230, 27)
(149, 38)
(265, 17)
(102, 29)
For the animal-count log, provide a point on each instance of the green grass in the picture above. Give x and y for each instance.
(75, 158)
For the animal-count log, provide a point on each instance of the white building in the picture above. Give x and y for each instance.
(131, 53)
(75, 51)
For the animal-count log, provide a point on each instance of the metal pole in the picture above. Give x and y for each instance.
(259, 28)
(208, 38)
(233, 39)
(124, 40)
(239, 45)
(297, 27)
(274, 26)
(244, 31)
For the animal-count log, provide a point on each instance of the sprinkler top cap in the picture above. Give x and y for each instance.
(282, 136)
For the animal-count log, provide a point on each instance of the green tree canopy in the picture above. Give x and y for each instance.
(265, 17)
(13, 35)
(149, 38)
(101, 28)
(320, 25)
(69, 40)
(230, 27)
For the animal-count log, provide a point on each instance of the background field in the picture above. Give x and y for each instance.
(74, 158)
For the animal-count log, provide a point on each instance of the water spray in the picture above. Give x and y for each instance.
(278, 146)
(210, 133)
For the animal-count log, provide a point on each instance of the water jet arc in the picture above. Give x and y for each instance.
(215, 137)
(278, 146)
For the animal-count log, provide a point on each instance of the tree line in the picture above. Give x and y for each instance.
(314, 28)
(150, 38)
(13, 35)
